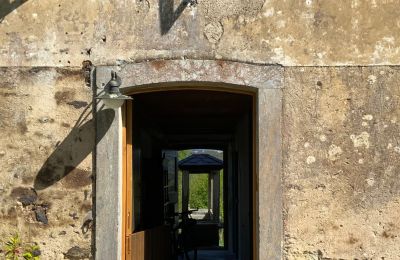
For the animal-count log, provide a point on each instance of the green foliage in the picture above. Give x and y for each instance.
(13, 248)
(16, 250)
(31, 253)
(198, 197)
(182, 154)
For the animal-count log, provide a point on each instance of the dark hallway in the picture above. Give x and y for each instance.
(191, 119)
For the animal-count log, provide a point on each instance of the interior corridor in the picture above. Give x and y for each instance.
(166, 123)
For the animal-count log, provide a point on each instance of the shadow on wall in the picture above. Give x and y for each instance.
(168, 15)
(79, 143)
(7, 6)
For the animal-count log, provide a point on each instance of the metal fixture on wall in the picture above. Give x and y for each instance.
(112, 97)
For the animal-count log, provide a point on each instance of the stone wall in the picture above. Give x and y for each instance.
(341, 129)
(306, 32)
(46, 141)
(341, 163)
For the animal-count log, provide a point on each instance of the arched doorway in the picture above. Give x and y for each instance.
(175, 120)
(261, 83)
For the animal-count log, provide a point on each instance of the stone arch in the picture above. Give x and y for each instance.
(265, 81)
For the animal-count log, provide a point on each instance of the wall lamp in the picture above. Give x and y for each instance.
(112, 97)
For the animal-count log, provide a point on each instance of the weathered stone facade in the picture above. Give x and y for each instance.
(341, 110)
(341, 162)
(46, 142)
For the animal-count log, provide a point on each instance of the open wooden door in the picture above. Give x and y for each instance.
(127, 180)
(151, 243)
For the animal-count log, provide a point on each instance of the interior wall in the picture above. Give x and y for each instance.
(243, 147)
(230, 157)
(148, 179)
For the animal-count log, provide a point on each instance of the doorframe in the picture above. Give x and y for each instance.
(264, 82)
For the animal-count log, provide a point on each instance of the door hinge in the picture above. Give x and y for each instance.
(128, 246)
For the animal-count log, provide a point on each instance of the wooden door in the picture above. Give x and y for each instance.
(149, 244)
(127, 180)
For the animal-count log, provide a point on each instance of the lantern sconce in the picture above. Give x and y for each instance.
(112, 97)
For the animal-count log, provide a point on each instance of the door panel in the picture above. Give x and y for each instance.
(127, 199)
(151, 244)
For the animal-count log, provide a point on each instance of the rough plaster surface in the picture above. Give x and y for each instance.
(341, 129)
(341, 160)
(46, 145)
(309, 32)
(341, 163)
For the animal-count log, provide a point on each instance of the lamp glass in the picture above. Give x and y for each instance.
(113, 102)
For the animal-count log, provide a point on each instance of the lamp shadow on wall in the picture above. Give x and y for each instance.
(7, 6)
(168, 15)
(79, 143)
